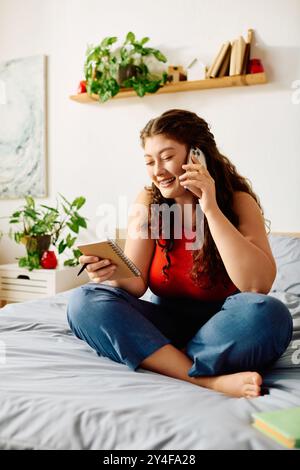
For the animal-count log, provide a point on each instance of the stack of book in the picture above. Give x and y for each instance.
(281, 425)
(232, 58)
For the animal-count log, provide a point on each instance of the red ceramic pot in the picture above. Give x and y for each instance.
(49, 260)
(81, 87)
(255, 66)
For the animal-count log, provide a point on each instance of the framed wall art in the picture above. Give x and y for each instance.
(23, 127)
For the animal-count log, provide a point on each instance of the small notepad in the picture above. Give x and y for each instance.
(281, 425)
(109, 249)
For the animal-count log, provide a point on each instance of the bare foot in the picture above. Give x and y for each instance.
(241, 384)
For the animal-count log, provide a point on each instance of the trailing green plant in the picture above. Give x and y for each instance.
(132, 54)
(101, 70)
(105, 68)
(40, 227)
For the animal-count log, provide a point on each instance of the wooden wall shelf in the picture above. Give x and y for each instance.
(235, 80)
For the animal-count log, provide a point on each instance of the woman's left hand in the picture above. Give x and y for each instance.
(198, 180)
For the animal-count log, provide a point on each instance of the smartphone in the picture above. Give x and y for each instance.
(198, 154)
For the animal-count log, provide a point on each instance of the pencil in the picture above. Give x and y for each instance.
(82, 268)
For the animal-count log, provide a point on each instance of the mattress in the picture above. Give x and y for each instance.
(57, 393)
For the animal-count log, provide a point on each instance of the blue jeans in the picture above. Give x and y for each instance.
(246, 331)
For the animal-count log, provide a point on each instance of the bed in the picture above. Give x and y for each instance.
(56, 393)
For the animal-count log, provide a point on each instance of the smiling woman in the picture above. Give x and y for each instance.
(165, 161)
(207, 301)
(166, 141)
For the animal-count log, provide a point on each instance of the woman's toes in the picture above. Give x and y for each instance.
(251, 395)
(240, 384)
(256, 378)
(253, 390)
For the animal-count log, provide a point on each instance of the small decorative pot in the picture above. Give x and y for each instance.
(126, 72)
(49, 260)
(255, 66)
(38, 244)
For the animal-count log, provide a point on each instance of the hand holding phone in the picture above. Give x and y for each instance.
(210, 193)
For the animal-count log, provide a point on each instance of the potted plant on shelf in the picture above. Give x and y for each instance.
(40, 227)
(101, 70)
(134, 72)
(107, 70)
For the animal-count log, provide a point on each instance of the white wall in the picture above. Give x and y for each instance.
(93, 150)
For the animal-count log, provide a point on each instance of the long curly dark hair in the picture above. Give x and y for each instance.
(187, 128)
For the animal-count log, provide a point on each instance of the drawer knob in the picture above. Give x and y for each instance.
(23, 276)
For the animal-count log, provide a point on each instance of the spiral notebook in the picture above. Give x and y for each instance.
(109, 249)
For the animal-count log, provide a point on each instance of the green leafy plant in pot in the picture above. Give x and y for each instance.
(101, 70)
(134, 72)
(40, 227)
(107, 70)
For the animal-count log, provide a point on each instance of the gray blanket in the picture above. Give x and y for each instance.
(56, 393)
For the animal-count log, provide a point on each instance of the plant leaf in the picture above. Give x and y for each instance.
(70, 241)
(144, 40)
(79, 202)
(73, 226)
(130, 37)
(77, 253)
(49, 208)
(81, 221)
(70, 262)
(33, 214)
(159, 56)
(30, 201)
(61, 247)
(139, 89)
(108, 41)
(67, 202)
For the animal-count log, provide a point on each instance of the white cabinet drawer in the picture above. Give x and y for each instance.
(18, 284)
(8, 281)
(21, 273)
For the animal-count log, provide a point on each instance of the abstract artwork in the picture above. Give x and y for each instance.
(23, 127)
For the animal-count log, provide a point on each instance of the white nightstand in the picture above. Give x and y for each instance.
(18, 284)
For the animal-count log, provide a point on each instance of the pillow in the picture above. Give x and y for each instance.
(286, 251)
(291, 357)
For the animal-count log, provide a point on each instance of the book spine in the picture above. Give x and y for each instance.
(246, 59)
(224, 69)
(241, 45)
(211, 68)
(247, 51)
(233, 58)
(220, 60)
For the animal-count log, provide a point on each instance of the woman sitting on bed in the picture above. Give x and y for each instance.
(210, 321)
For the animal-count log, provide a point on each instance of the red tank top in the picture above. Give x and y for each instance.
(180, 283)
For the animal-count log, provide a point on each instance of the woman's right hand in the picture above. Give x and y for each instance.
(98, 269)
